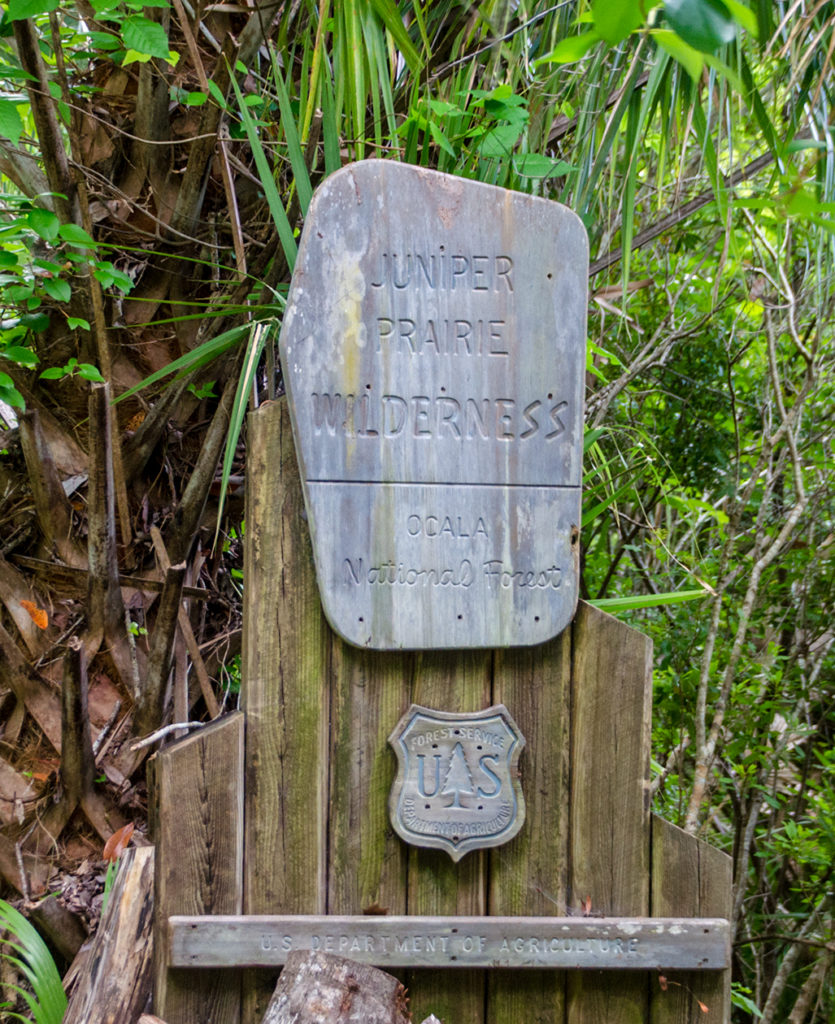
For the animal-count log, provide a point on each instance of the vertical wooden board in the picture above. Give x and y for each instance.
(449, 682)
(199, 841)
(285, 693)
(690, 878)
(528, 876)
(609, 819)
(366, 859)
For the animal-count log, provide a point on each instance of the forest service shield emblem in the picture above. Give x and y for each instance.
(457, 786)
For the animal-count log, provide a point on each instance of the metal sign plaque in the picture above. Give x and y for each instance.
(433, 350)
(457, 786)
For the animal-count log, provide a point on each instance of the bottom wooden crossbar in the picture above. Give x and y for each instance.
(561, 943)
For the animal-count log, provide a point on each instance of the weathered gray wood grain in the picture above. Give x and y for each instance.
(433, 349)
(199, 837)
(530, 874)
(690, 877)
(609, 823)
(286, 648)
(535, 942)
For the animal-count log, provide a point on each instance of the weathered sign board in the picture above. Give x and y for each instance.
(540, 942)
(457, 786)
(433, 350)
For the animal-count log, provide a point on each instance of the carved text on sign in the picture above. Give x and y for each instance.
(560, 943)
(433, 351)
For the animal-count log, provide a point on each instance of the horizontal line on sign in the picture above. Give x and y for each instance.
(556, 943)
(446, 483)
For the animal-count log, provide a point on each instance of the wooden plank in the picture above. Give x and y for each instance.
(529, 875)
(609, 845)
(573, 943)
(366, 859)
(285, 696)
(452, 682)
(692, 878)
(434, 337)
(115, 983)
(199, 783)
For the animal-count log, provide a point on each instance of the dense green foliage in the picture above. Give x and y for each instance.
(693, 138)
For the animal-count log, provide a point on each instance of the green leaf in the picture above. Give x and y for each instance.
(536, 165)
(499, 142)
(258, 335)
(135, 57)
(105, 41)
(74, 322)
(19, 292)
(53, 373)
(614, 21)
(74, 235)
(217, 95)
(145, 36)
(195, 99)
(43, 223)
(21, 355)
(7, 259)
(744, 16)
(35, 322)
(90, 372)
(703, 24)
(19, 9)
(57, 289)
(691, 60)
(568, 50)
(622, 604)
(265, 175)
(11, 124)
(108, 275)
(48, 1001)
(11, 396)
(197, 357)
(440, 139)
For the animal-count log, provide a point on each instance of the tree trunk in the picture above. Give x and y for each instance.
(318, 988)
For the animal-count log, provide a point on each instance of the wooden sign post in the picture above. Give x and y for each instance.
(277, 836)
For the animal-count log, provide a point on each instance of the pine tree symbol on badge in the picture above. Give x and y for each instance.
(458, 780)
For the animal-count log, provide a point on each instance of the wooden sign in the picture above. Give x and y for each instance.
(433, 349)
(457, 786)
(543, 942)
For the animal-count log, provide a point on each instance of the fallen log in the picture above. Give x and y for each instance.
(319, 988)
(113, 973)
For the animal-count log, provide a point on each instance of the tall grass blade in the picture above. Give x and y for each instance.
(47, 1002)
(265, 176)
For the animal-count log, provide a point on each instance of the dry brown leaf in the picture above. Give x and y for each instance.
(117, 843)
(36, 614)
(375, 910)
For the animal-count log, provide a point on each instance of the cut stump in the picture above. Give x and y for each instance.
(319, 988)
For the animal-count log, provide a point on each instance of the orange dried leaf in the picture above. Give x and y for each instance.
(702, 1006)
(117, 843)
(587, 907)
(662, 981)
(36, 614)
(135, 422)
